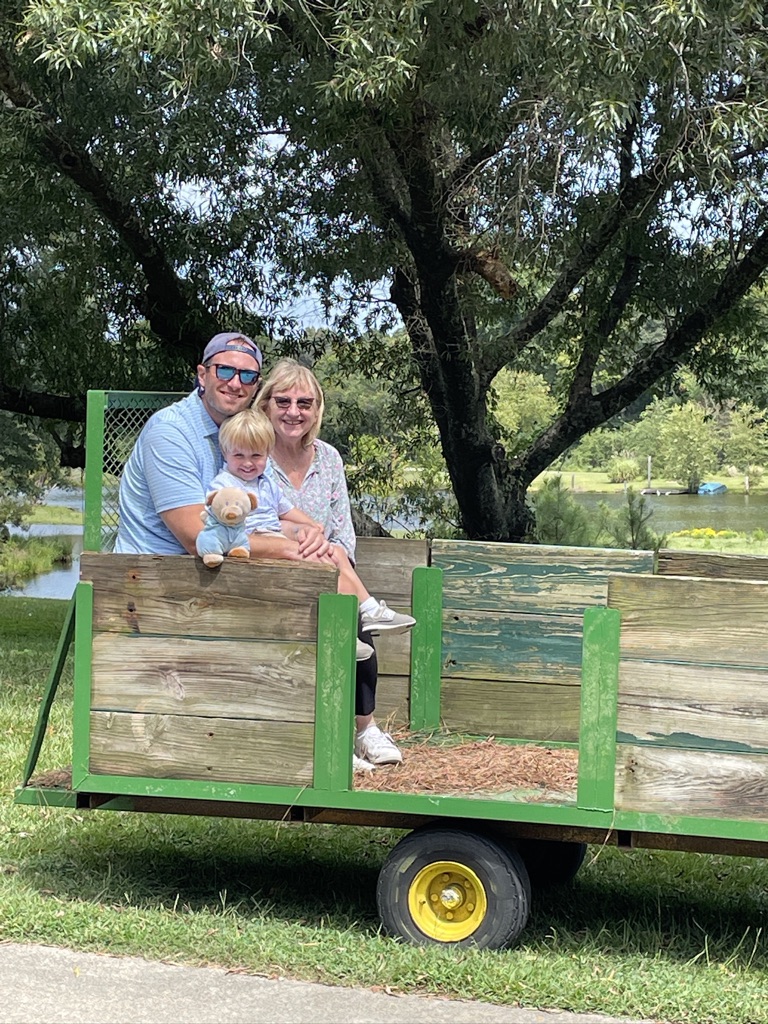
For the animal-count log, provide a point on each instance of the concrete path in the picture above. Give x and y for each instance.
(47, 985)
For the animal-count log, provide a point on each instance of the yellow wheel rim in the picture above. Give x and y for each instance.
(447, 901)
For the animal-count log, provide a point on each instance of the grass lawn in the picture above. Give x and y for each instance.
(598, 483)
(58, 515)
(23, 558)
(673, 937)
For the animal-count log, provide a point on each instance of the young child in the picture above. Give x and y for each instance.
(246, 439)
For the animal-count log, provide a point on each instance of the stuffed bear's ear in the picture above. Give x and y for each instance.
(209, 497)
(254, 500)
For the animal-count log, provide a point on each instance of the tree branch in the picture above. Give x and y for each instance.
(638, 190)
(171, 308)
(584, 413)
(42, 404)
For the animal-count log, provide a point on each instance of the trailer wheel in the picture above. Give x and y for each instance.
(451, 886)
(551, 862)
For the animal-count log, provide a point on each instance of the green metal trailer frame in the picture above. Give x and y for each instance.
(592, 817)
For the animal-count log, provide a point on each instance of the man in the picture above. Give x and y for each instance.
(164, 482)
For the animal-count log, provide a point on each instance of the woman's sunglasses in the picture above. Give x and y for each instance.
(283, 402)
(247, 377)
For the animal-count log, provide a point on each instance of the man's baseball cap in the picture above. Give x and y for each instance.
(232, 342)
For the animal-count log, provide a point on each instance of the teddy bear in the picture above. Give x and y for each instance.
(223, 531)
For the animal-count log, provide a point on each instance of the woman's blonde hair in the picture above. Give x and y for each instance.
(247, 429)
(287, 374)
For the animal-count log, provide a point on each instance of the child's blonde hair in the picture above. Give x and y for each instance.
(249, 429)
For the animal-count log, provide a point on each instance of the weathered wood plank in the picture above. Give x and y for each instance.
(489, 645)
(393, 652)
(385, 565)
(679, 619)
(263, 680)
(712, 565)
(690, 706)
(177, 595)
(392, 702)
(532, 578)
(513, 710)
(659, 780)
(184, 747)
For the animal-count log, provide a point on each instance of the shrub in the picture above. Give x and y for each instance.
(629, 525)
(623, 470)
(559, 517)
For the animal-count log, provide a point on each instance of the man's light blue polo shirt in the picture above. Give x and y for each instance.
(173, 460)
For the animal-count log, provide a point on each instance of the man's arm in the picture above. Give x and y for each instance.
(185, 524)
(269, 545)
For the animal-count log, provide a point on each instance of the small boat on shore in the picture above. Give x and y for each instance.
(660, 492)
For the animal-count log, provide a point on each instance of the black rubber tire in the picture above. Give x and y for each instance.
(495, 901)
(550, 862)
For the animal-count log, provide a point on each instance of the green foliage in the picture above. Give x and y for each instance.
(523, 405)
(559, 517)
(579, 198)
(628, 527)
(29, 465)
(755, 474)
(687, 445)
(622, 470)
(745, 442)
(597, 448)
(22, 558)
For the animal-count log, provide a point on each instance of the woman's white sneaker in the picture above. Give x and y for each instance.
(377, 747)
(359, 764)
(383, 619)
(363, 651)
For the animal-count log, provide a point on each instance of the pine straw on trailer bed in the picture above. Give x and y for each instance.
(476, 767)
(463, 767)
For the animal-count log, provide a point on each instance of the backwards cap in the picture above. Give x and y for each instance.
(232, 342)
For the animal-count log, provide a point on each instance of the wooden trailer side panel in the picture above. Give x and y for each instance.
(712, 565)
(512, 633)
(164, 628)
(385, 565)
(692, 724)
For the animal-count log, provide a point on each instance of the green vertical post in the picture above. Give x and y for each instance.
(81, 711)
(599, 705)
(335, 691)
(51, 686)
(94, 469)
(426, 647)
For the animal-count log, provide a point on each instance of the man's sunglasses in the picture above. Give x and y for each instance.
(247, 377)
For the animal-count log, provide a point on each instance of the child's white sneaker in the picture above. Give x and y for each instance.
(383, 619)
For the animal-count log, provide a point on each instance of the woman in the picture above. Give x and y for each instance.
(311, 474)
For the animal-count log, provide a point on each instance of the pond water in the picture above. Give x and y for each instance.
(60, 581)
(733, 510)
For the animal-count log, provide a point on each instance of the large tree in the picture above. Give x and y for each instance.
(536, 183)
